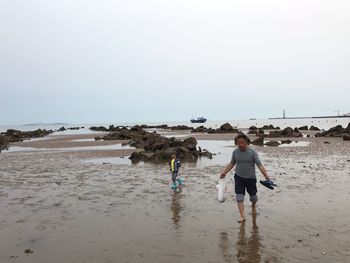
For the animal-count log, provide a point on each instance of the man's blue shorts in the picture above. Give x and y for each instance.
(243, 184)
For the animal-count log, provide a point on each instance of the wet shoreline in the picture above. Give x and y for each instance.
(94, 206)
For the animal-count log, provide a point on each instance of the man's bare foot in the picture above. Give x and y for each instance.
(241, 220)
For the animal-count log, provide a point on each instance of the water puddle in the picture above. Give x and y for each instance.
(118, 146)
(108, 160)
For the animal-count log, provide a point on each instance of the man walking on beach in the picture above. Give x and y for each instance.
(245, 159)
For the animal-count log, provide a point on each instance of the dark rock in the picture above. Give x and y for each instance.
(346, 137)
(99, 128)
(261, 132)
(314, 128)
(181, 127)
(303, 128)
(348, 128)
(4, 142)
(156, 148)
(162, 126)
(275, 134)
(28, 251)
(253, 128)
(253, 132)
(12, 135)
(259, 141)
(226, 127)
(17, 136)
(62, 129)
(337, 131)
(190, 143)
(200, 129)
(272, 143)
(269, 127)
(287, 132)
(286, 142)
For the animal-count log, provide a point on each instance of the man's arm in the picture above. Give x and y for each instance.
(263, 171)
(227, 169)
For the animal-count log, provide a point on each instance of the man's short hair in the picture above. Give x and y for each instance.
(242, 136)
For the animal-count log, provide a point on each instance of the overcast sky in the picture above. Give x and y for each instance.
(156, 60)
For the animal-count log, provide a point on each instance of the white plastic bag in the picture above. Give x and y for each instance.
(221, 187)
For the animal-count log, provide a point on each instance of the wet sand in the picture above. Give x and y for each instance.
(91, 205)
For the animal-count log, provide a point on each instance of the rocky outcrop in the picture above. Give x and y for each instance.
(286, 141)
(162, 126)
(181, 128)
(272, 143)
(17, 136)
(225, 128)
(303, 128)
(287, 132)
(4, 142)
(12, 135)
(253, 132)
(259, 141)
(269, 127)
(337, 131)
(155, 147)
(314, 128)
(200, 129)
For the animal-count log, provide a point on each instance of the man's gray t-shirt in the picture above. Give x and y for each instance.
(245, 162)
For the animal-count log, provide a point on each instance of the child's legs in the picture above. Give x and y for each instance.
(173, 176)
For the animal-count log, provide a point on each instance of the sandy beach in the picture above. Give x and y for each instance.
(68, 198)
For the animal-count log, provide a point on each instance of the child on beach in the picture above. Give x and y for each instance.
(175, 164)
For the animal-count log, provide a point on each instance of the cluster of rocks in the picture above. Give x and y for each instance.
(306, 128)
(155, 147)
(12, 135)
(224, 128)
(286, 132)
(260, 141)
(268, 127)
(161, 126)
(337, 131)
(70, 128)
(257, 131)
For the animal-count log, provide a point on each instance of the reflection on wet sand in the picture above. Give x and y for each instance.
(248, 249)
(176, 209)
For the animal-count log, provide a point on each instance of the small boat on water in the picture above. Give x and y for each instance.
(199, 120)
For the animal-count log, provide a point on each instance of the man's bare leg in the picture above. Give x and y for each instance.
(254, 208)
(241, 211)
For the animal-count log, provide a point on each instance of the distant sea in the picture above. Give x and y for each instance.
(325, 123)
